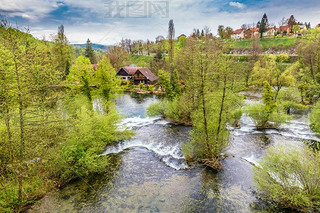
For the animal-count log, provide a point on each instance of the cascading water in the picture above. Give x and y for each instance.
(151, 174)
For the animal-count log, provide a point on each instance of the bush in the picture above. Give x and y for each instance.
(314, 118)
(290, 177)
(263, 119)
(91, 132)
(291, 94)
(156, 109)
(176, 109)
(235, 117)
(297, 108)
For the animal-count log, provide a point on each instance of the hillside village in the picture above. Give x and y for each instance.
(221, 123)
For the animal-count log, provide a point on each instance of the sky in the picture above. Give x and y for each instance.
(108, 21)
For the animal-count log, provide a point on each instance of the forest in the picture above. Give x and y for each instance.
(52, 132)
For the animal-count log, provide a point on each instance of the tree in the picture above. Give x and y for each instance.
(228, 32)
(81, 76)
(275, 73)
(171, 34)
(89, 52)
(164, 81)
(118, 57)
(291, 22)
(290, 177)
(105, 79)
(314, 118)
(221, 31)
(62, 52)
(27, 73)
(210, 100)
(263, 25)
(296, 28)
(268, 114)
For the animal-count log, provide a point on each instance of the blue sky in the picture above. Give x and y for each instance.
(146, 19)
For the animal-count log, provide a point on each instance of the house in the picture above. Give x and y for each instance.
(251, 32)
(137, 75)
(284, 29)
(182, 36)
(238, 34)
(270, 31)
(318, 25)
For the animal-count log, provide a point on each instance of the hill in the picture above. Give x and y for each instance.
(94, 46)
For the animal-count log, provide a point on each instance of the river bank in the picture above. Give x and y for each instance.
(151, 174)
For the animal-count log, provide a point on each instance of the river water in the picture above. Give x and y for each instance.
(150, 174)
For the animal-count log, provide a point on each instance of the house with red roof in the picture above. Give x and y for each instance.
(318, 25)
(286, 29)
(238, 34)
(137, 75)
(251, 32)
(270, 31)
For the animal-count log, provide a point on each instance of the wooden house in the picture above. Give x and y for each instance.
(137, 75)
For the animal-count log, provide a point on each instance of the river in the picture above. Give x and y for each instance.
(150, 174)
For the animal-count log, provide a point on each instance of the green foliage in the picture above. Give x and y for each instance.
(105, 79)
(81, 76)
(176, 88)
(164, 81)
(156, 109)
(89, 52)
(235, 117)
(269, 104)
(314, 118)
(268, 114)
(91, 132)
(274, 43)
(290, 177)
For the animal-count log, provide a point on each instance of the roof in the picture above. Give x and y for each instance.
(254, 29)
(144, 70)
(284, 28)
(238, 31)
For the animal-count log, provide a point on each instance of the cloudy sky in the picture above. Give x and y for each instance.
(107, 21)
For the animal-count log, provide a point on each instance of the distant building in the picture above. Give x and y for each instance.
(182, 35)
(251, 32)
(318, 25)
(285, 28)
(270, 31)
(238, 34)
(137, 75)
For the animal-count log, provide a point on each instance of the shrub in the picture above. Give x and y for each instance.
(290, 177)
(156, 109)
(314, 118)
(235, 117)
(297, 108)
(263, 119)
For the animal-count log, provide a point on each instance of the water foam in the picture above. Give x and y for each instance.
(170, 155)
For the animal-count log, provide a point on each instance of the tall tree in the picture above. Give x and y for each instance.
(89, 52)
(171, 34)
(62, 52)
(105, 79)
(81, 76)
(263, 25)
(291, 22)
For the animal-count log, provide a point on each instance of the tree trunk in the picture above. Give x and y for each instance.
(221, 107)
(204, 112)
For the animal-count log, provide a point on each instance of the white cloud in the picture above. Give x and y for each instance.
(28, 9)
(237, 5)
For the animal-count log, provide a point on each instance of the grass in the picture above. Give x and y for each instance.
(141, 60)
(266, 43)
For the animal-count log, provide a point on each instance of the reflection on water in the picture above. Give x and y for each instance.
(149, 172)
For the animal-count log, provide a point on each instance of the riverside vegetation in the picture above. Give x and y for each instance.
(51, 133)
